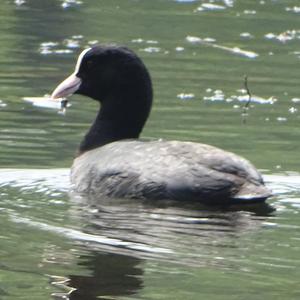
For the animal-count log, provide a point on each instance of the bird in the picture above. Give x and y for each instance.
(114, 162)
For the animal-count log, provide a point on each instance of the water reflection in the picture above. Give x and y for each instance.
(110, 275)
(167, 230)
(189, 234)
(102, 247)
(239, 250)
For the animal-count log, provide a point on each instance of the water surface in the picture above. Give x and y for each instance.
(55, 244)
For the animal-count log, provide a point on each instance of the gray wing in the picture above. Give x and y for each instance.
(160, 169)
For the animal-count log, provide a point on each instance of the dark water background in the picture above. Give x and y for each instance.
(57, 245)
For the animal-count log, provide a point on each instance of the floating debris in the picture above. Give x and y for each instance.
(246, 35)
(281, 119)
(185, 96)
(71, 43)
(296, 100)
(151, 49)
(209, 40)
(254, 99)
(219, 95)
(293, 110)
(93, 42)
(62, 51)
(20, 2)
(46, 47)
(70, 3)
(137, 40)
(210, 6)
(234, 50)
(270, 36)
(2, 104)
(285, 36)
(195, 39)
(77, 37)
(249, 12)
(229, 3)
(48, 102)
(151, 42)
(185, 1)
(295, 9)
(179, 49)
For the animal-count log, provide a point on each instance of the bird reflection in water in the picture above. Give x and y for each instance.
(111, 275)
(205, 235)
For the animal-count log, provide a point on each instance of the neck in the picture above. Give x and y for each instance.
(116, 122)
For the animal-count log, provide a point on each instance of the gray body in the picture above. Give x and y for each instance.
(167, 170)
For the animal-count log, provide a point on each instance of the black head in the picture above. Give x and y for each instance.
(118, 79)
(108, 72)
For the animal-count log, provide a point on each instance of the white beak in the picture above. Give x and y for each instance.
(66, 88)
(70, 85)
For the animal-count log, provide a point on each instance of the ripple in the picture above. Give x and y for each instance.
(145, 229)
(294, 201)
(297, 53)
(33, 179)
(90, 238)
(282, 184)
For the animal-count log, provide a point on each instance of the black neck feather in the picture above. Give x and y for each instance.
(119, 80)
(120, 117)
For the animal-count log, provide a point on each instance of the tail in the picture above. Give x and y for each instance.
(251, 192)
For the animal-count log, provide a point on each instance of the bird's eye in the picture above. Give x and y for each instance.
(89, 64)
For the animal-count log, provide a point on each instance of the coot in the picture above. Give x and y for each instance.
(113, 162)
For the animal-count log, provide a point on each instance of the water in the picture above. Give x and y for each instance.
(55, 244)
